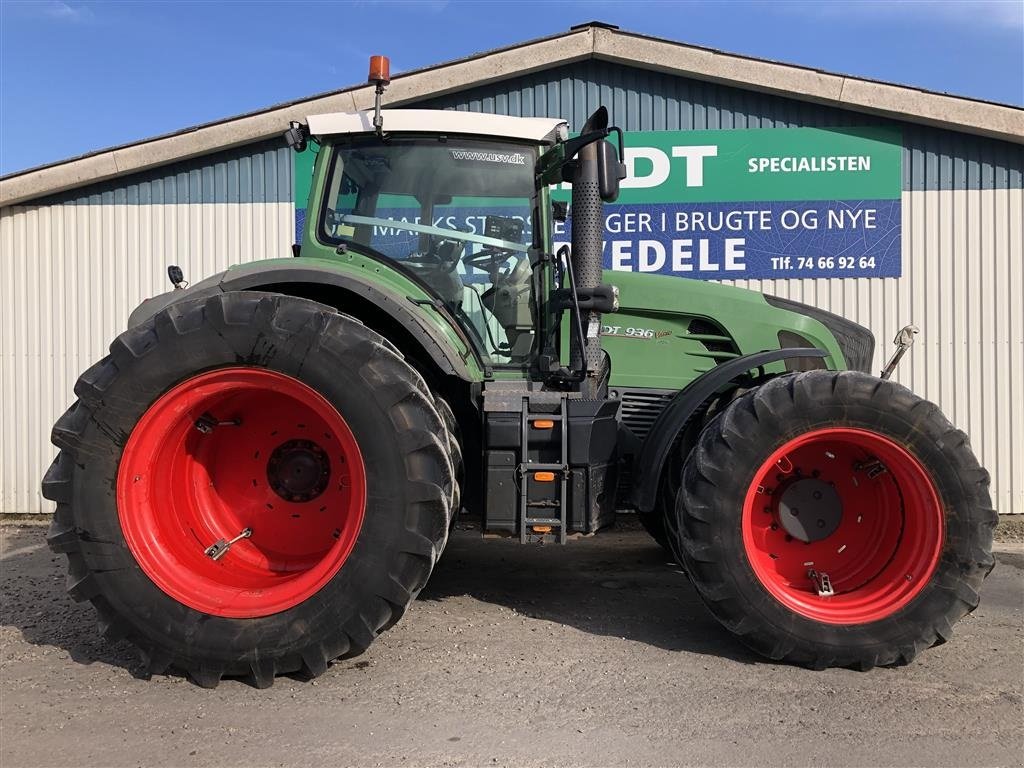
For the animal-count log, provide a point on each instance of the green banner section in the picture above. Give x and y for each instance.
(759, 164)
(764, 164)
(303, 173)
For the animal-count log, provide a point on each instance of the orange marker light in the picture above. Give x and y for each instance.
(380, 70)
(543, 424)
(542, 529)
(544, 477)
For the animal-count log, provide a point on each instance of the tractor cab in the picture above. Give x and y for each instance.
(452, 211)
(459, 203)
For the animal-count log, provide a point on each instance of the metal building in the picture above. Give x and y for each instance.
(85, 240)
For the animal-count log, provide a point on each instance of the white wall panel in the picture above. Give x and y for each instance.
(71, 274)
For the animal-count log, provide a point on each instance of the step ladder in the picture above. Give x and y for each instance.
(528, 514)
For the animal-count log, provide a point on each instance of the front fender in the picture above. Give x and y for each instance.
(687, 402)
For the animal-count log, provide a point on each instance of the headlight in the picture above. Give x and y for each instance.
(856, 342)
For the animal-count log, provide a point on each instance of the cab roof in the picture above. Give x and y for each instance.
(539, 130)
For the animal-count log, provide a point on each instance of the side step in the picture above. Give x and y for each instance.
(540, 530)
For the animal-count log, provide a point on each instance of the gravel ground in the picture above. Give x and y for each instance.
(595, 654)
(1010, 528)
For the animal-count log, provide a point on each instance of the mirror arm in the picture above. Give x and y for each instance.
(566, 258)
(622, 144)
(550, 164)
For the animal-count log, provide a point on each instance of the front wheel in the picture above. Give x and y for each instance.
(836, 519)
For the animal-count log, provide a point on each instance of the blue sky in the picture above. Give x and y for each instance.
(81, 76)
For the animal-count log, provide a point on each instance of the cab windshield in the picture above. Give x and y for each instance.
(456, 213)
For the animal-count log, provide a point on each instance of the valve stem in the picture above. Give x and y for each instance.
(217, 550)
(821, 582)
(207, 423)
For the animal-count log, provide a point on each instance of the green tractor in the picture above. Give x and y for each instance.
(262, 473)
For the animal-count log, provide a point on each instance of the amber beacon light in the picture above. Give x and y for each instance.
(380, 70)
(380, 75)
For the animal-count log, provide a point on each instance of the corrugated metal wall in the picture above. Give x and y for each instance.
(72, 268)
(963, 227)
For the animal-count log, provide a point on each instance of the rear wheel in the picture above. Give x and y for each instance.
(281, 487)
(836, 519)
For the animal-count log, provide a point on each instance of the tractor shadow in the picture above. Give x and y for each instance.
(618, 583)
(33, 600)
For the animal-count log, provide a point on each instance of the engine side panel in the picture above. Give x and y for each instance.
(669, 331)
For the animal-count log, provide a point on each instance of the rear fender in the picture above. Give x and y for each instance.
(347, 292)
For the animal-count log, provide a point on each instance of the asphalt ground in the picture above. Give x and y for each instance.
(598, 653)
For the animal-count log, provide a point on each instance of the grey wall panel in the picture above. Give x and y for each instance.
(642, 100)
(257, 173)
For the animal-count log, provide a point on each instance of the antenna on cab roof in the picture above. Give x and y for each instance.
(380, 76)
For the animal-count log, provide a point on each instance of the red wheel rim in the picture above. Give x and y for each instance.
(871, 522)
(239, 448)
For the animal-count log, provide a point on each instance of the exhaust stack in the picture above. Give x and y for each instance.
(587, 252)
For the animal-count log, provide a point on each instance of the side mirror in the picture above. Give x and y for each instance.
(609, 171)
(295, 137)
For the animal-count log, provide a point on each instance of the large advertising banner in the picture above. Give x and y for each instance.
(770, 203)
(757, 204)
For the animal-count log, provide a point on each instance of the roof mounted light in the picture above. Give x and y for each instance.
(380, 76)
(380, 70)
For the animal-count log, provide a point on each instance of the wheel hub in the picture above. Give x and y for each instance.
(810, 510)
(842, 525)
(298, 470)
(247, 521)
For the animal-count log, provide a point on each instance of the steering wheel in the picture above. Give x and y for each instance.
(489, 260)
(443, 255)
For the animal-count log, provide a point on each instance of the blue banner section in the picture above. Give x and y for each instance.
(711, 241)
(757, 240)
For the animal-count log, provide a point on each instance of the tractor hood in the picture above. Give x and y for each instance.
(708, 323)
(646, 292)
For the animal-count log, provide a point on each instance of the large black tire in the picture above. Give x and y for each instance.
(657, 521)
(724, 466)
(408, 480)
(661, 522)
